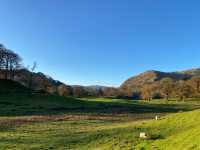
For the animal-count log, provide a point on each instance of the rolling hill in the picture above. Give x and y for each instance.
(136, 82)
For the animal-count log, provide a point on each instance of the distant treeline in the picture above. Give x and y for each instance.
(165, 88)
(168, 88)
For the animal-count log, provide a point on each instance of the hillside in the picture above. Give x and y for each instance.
(12, 87)
(43, 82)
(39, 80)
(193, 72)
(136, 82)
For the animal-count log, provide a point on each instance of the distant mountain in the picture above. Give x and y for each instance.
(94, 87)
(136, 82)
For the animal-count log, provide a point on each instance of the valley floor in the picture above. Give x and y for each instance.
(97, 124)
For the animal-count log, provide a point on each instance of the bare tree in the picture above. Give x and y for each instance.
(166, 87)
(110, 92)
(32, 69)
(9, 61)
(13, 63)
(79, 91)
(182, 90)
(148, 91)
(2, 55)
(194, 82)
(64, 90)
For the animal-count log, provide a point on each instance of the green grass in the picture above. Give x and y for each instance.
(52, 122)
(90, 126)
(180, 131)
(20, 105)
(16, 101)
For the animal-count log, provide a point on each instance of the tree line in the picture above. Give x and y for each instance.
(168, 88)
(81, 91)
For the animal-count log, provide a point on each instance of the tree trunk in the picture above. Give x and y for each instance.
(6, 70)
(30, 83)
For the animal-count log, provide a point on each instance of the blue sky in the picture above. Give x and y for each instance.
(104, 42)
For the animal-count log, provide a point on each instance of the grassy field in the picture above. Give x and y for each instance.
(52, 122)
(174, 132)
(20, 105)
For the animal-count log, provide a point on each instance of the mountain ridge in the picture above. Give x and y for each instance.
(135, 83)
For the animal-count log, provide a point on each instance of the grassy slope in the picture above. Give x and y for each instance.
(9, 87)
(175, 132)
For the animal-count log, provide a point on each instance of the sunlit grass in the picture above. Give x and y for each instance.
(51, 122)
(178, 131)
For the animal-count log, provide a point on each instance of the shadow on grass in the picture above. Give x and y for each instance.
(21, 105)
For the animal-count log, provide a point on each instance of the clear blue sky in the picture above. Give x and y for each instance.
(102, 41)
